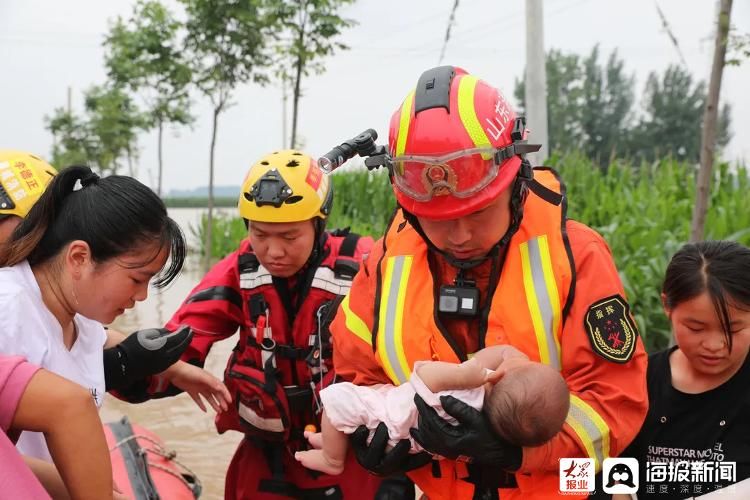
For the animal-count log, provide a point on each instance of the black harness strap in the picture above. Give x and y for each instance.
(545, 193)
(349, 245)
(248, 263)
(274, 454)
(487, 480)
(291, 352)
(345, 266)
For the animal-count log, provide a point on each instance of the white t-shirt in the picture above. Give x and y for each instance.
(29, 329)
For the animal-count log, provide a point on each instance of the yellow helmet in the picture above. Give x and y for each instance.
(23, 178)
(285, 186)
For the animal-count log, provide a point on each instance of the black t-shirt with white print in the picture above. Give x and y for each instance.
(681, 429)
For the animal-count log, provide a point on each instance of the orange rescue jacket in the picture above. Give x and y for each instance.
(558, 285)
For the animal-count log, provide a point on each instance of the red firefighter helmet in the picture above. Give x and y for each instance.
(451, 145)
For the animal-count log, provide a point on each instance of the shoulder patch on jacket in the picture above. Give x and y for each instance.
(611, 329)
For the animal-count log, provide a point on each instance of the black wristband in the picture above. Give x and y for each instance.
(114, 370)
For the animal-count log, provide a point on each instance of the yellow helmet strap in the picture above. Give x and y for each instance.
(270, 189)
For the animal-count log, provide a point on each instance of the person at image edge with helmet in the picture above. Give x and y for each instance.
(280, 288)
(23, 178)
(479, 253)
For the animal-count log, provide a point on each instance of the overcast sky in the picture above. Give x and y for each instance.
(47, 46)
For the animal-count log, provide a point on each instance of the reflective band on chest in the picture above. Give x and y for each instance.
(324, 279)
(390, 344)
(542, 297)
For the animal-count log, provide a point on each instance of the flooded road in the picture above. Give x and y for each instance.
(177, 420)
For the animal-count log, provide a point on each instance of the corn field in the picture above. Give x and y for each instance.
(643, 212)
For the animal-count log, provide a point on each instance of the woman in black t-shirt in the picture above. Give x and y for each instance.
(696, 436)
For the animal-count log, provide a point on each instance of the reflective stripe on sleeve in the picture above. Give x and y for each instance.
(591, 429)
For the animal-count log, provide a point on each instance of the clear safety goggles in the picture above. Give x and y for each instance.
(460, 173)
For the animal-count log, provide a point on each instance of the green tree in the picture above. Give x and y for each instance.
(308, 32)
(738, 47)
(673, 116)
(103, 137)
(563, 100)
(227, 45)
(114, 120)
(588, 105)
(72, 141)
(144, 55)
(605, 111)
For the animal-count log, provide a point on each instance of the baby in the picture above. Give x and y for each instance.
(525, 402)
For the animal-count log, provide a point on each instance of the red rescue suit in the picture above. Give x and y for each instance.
(282, 360)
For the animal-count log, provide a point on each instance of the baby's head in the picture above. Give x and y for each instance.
(528, 406)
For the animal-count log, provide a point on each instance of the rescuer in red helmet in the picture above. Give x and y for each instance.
(480, 252)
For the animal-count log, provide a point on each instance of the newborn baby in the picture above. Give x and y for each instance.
(525, 402)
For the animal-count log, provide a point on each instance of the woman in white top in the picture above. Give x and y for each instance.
(85, 253)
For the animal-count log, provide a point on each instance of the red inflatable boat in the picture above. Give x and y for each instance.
(143, 469)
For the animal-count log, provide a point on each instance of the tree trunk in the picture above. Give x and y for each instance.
(210, 218)
(161, 161)
(710, 116)
(297, 83)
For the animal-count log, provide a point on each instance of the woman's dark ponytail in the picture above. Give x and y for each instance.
(113, 215)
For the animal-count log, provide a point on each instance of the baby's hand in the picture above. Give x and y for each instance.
(471, 374)
(494, 376)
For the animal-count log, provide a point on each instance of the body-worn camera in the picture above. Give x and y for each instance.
(460, 299)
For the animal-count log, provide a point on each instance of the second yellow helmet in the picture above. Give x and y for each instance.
(285, 186)
(23, 179)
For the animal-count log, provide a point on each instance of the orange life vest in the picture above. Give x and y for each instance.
(527, 311)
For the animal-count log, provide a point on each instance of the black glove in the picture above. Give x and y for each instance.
(397, 487)
(143, 353)
(375, 459)
(472, 439)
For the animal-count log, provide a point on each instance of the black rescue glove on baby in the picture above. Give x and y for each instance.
(377, 460)
(472, 439)
(143, 353)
